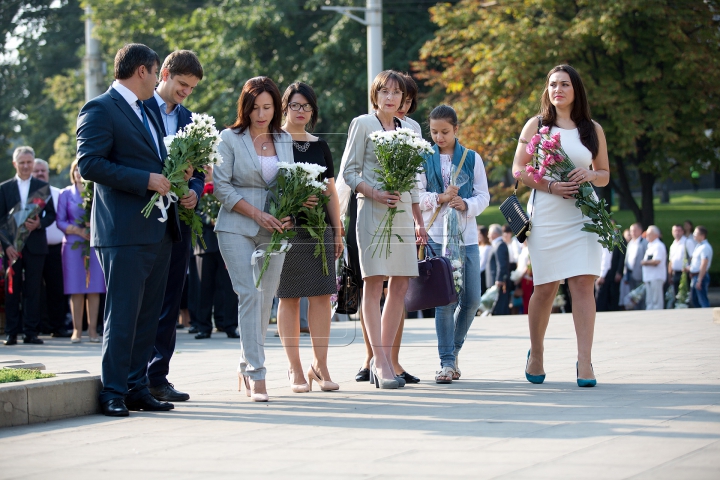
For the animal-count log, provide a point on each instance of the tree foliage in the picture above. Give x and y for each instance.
(651, 69)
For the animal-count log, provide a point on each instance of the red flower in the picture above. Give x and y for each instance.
(39, 202)
(209, 189)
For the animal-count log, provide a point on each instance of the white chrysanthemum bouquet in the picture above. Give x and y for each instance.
(296, 182)
(399, 153)
(195, 145)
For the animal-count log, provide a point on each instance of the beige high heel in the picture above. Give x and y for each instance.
(325, 385)
(301, 388)
(255, 397)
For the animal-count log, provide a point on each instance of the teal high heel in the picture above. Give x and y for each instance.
(537, 379)
(585, 382)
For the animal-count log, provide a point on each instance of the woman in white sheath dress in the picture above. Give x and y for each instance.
(558, 248)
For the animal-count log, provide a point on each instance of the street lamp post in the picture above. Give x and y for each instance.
(373, 22)
(94, 66)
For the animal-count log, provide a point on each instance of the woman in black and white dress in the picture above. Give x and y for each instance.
(302, 274)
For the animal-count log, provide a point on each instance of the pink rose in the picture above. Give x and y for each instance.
(536, 139)
(529, 168)
(530, 148)
(544, 130)
(517, 174)
(548, 145)
(547, 161)
(556, 137)
(541, 171)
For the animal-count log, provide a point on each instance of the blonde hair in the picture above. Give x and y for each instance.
(73, 167)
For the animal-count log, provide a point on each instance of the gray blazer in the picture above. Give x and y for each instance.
(239, 177)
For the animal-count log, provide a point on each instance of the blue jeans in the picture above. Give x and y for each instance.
(700, 297)
(453, 321)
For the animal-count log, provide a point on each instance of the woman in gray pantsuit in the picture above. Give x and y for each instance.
(250, 150)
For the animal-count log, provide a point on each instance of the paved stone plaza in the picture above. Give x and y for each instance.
(654, 414)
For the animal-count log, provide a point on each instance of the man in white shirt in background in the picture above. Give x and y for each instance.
(677, 257)
(54, 304)
(700, 269)
(654, 271)
(633, 257)
(690, 243)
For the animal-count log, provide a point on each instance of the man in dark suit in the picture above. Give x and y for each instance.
(497, 270)
(608, 297)
(28, 268)
(120, 148)
(179, 75)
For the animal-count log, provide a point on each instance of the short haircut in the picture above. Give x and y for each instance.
(506, 229)
(677, 225)
(22, 151)
(306, 91)
(183, 62)
(654, 229)
(495, 229)
(73, 167)
(637, 225)
(130, 57)
(412, 92)
(444, 112)
(246, 102)
(43, 162)
(381, 81)
(701, 230)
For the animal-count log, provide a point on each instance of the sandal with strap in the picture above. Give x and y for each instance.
(445, 375)
(456, 374)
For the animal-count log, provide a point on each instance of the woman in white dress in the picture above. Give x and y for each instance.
(559, 249)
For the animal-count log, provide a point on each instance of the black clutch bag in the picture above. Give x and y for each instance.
(347, 297)
(516, 216)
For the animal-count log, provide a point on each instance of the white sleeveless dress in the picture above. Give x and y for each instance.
(558, 248)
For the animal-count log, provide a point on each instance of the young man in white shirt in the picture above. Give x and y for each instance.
(677, 256)
(700, 268)
(654, 271)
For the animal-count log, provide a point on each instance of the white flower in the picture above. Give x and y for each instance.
(168, 140)
(456, 264)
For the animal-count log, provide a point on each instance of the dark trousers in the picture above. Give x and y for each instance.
(135, 278)
(54, 304)
(676, 276)
(159, 364)
(214, 278)
(608, 296)
(27, 282)
(502, 305)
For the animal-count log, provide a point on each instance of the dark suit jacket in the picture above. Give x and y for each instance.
(36, 242)
(115, 151)
(498, 264)
(197, 181)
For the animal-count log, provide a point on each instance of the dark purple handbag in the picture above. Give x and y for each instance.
(434, 285)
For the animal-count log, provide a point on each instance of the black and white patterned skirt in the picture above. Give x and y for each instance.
(302, 274)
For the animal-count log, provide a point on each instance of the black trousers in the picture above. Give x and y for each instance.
(159, 363)
(215, 279)
(54, 304)
(135, 277)
(22, 307)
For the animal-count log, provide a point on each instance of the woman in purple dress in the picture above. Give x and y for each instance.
(79, 283)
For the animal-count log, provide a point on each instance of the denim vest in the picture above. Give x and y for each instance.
(433, 170)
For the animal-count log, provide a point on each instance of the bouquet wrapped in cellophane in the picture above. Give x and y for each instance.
(453, 246)
(296, 182)
(399, 153)
(195, 145)
(550, 160)
(84, 222)
(209, 204)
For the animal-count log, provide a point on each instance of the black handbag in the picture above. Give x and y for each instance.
(348, 298)
(434, 286)
(516, 216)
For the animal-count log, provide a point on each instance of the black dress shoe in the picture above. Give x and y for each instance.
(179, 326)
(167, 393)
(409, 378)
(193, 330)
(363, 375)
(232, 333)
(115, 408)
(11, 340)
(62, 334)
(32, 339)
(202, 335)
(149, 404)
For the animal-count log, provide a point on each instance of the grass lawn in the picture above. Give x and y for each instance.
(701, 208)
(20, 374)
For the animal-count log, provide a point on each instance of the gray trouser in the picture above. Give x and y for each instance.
(253, 305)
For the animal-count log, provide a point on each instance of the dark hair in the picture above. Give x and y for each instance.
(246, 102)
(701, 230)
(688, 221)
(381, 80)
(306, 91)
(580, 111)
(506, 229)
(130, 57)
(183, 62)
(483, 234)
(444, 112)
(412, 92)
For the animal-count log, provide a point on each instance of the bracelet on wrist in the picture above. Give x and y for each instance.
(549, 187)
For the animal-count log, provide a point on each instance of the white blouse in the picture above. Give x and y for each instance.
(269, 167)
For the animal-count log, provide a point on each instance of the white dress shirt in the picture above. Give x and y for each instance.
(170, 120)
(690, 244)
(606, 262)
(54, 234)
(484, 256)
(24, 189)
(655, 251)
(132, 100)
(677, 255)
(475, 205)
(702, 251)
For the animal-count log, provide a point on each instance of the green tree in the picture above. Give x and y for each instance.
(651, 68)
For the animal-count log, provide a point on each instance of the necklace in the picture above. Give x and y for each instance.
(302, 148)
(396, 122)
